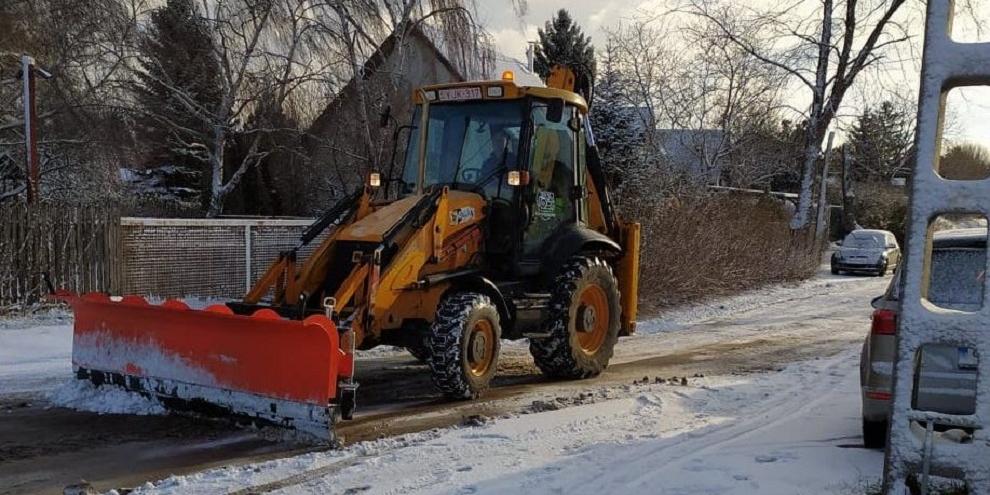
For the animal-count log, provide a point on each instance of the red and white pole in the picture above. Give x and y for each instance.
(30, 129)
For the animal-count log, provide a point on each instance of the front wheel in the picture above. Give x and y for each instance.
(582, 326)
(882, 269)
(464, 345)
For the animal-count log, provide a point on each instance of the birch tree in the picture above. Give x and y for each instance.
(268, 58)
(823, 50)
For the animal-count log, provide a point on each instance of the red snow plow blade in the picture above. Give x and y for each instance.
(260, 367)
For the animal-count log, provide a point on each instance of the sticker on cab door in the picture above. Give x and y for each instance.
(461, 215)
(546, 204)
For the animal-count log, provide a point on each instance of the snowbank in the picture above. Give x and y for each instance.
(82, 395)
(34, 354)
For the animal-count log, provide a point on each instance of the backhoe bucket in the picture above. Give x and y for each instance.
(260, 367)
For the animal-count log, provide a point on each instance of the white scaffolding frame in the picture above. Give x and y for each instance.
(946, 65)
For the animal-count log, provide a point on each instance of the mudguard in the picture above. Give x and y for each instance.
(571, 240)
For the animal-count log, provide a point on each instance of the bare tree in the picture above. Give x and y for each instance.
(692, 79)
(270, 60)
(818, 49)
(719, 87)
(363, 25)
(645, 60)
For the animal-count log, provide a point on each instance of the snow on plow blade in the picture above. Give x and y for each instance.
(261, 367)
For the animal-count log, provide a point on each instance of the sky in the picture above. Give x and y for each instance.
(968, 109)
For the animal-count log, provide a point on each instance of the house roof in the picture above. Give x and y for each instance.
(376, 61)
(382, 53)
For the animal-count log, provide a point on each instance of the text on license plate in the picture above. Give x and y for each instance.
(460, 94)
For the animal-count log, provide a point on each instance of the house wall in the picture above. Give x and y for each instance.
(337, 149)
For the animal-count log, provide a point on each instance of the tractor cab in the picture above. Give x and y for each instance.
(523, 149)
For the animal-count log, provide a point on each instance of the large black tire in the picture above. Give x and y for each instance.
(579, 344)
(874, 434)
(835, 271)
(464, 343)
(421, 349)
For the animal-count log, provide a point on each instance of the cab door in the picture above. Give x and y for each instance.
(553, 175)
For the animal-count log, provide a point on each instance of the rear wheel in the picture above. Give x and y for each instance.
(583, 321)
(464, 344)
(874, 434)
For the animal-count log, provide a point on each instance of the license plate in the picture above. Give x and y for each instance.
(460, 94)
(968, 360)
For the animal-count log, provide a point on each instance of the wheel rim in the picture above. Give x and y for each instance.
(592, 319)
(481, 347)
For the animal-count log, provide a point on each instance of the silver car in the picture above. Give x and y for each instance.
(866, 251)
(946, 378)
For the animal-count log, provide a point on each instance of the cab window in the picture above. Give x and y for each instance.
(552, 154)
(467, 145)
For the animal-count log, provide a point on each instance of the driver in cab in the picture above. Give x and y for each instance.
(502, 156)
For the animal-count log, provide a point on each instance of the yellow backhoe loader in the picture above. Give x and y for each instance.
(501, 227)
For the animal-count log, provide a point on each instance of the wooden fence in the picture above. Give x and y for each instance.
(75, 245)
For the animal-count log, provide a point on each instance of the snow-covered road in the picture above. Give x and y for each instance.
(752, 424)
(790, 432)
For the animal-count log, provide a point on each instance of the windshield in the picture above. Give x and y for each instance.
(863, 241)
(467, 144)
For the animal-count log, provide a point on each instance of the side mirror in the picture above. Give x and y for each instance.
(385, 116)
(555, 110)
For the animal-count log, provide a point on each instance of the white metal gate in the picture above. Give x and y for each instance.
(207, 258)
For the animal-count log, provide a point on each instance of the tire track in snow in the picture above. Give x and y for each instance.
(670, 456)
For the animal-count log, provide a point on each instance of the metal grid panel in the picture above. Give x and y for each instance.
(210, 259)
(267, 242)
(946, 65)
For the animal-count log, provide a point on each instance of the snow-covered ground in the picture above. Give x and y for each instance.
(34, 352)
(789, 431)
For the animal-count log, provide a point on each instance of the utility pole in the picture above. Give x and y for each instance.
(848, 193)
(823, 190)
(30, 129)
